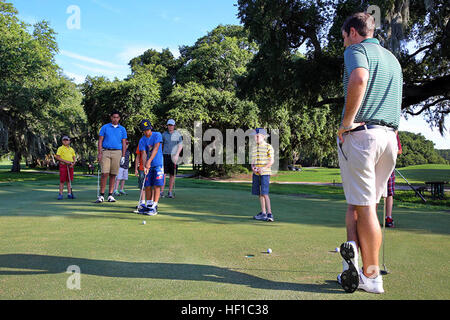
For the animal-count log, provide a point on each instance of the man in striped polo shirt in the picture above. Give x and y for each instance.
(367, 146)
(262, 158)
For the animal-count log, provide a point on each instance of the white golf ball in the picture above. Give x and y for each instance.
(337, 249)
(269, 250)
(143, 222)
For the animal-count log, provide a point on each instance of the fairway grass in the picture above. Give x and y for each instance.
(197, 247)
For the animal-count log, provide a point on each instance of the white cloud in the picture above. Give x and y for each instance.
(96, 70)
(77, 78)
(102, 63)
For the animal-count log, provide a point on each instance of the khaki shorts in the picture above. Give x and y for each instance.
(111, 161)
(367, 159)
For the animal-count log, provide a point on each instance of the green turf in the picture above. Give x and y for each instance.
(196, 247)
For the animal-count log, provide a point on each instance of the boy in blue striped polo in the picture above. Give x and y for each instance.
(262, 159)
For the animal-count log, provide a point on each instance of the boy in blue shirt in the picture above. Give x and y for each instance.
(152, 157)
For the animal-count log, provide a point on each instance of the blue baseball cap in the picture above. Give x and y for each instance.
(259, 131)
(145, 125)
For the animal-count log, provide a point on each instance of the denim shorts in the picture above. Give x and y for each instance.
(260, 185)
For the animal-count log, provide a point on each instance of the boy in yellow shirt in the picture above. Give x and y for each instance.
(66, 157)
(262, 160)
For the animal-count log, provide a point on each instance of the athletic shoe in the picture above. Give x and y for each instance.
(349, 278)
(123, 192)
(111, 199)
(70, 196)
(170, 195)
(60, 196)
(116, 193)
(143, 209)
(153, 211)
(161, 195)
(389, 222)
(269, 217)
(100, 199)
(371, 285)
(261, 216)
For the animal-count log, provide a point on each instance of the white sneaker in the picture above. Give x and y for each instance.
(371, 285)
(349, 278)
(111, 199)
(100, 199)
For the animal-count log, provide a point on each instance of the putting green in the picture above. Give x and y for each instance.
(198, 246)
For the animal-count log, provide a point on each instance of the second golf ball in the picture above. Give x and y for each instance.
(337, 249)
(269, 250)
(143, 222)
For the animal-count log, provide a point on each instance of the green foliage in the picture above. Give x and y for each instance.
(135, 98)
(278, 75)
(37, 104)
(417, 150)
(444, 153)
(217, 59)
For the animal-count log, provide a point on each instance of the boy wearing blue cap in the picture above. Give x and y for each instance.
(152, 158)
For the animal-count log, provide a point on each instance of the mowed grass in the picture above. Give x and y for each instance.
(418, 174)
(196, 247)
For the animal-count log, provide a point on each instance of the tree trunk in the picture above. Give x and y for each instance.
(16, 162)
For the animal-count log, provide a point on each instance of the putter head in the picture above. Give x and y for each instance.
(385, 271)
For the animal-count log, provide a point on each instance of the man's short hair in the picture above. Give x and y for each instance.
(363, 23)
(115, 112)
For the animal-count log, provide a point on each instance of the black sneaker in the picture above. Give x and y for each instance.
(269, 217)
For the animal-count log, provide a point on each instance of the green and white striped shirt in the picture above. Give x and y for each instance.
(383, 98)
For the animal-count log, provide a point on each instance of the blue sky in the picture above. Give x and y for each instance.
(111, 32)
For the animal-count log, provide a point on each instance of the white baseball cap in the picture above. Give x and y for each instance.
(171, 122)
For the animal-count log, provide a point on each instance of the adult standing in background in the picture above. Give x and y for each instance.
(172, 146)
(367, 146)
(111, 153)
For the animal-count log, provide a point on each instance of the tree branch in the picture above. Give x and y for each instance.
(427, 106)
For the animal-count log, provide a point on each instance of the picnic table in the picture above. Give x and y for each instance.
(437, 189)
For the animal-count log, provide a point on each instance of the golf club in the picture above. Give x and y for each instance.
(140, 194)
(98, 183)
(417, 192)
(385, 270)
(70, 180)
(174, 178)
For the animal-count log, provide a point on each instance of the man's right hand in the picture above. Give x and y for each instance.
(99, 157)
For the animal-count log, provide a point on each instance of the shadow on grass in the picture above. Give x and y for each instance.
(42, 264)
